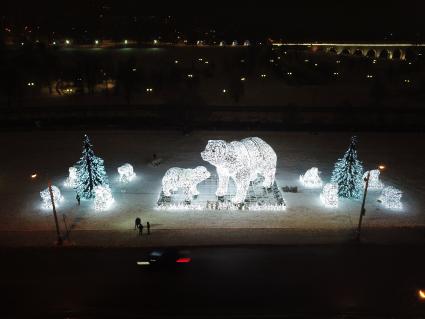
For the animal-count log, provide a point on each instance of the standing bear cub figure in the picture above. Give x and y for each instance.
(243, 161)
(184, 178)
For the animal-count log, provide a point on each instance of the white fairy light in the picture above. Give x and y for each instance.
(72, 179)
(329, 195)
(311, 178)
(247, 43)
(243, 161)
(374, 182)
(102, 197)
(179, 207)
(126, 173)
(184, 178)
(47, 201)
(391, 198)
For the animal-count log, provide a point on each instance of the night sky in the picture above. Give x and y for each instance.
(292, 20)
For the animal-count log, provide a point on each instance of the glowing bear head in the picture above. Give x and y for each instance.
(215, 152)
(201, 174)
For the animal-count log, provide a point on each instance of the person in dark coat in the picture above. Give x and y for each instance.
(140, 229)
(148, 226)
(78, 199)
(137, 222)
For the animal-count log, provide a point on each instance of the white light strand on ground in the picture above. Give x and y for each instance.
(102, 198)
(374, 182)
(126, 172)
(391, 198)
(186, 179)
(329, 195)
(243, 161)
(47, 201)
(311, 178)
(72, 179)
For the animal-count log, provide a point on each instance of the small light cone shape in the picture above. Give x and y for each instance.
(242, 161)
(103, 198)
(186, 179)
(391, 198)
(374, 182)
(329, 195)
(47, 201)
(311, 178)
(72, 179)
(126, 173)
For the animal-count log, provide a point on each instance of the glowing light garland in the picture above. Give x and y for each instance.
(184, 178)
(391, 198)
(329, 195)
(243, 161)
(374, 182)
(47, 201)
(311, 178)
(90, 171)
(102, 198)
(72, 179)
(348, 173)
(126, 173)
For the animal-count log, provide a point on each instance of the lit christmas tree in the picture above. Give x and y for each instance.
(348, 173)
(90, 171)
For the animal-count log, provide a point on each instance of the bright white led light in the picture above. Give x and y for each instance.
(329, 195)
(126, 173)
(243, 161)
(391, 198)
(311, 178)
(374, 182)
(186, 179)
(47, 201)
(102, 197)
(72, 179)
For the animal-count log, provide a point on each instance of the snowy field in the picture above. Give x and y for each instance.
(50, 153)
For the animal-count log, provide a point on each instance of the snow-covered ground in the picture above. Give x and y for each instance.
(50, 153)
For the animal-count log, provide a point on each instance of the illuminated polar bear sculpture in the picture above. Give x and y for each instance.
(243, 161)
(185, 178)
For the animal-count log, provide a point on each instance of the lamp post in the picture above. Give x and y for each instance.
(363, 210)
(49, 185)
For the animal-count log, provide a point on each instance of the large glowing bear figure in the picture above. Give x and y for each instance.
(243, 161)
(184, 178)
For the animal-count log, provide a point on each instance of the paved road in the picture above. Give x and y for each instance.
(255, 281)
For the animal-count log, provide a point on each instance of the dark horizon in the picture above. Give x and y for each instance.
(301, 20)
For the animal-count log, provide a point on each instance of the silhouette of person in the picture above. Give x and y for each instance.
(78, 199)
(137, 222)
(140, 229)
(148, 226)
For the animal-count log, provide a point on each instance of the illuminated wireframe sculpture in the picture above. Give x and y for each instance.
(348, 173)
(47, 201)
(72, 179)
(102, 197)
(391, 198)
(311, 178)
(243, 161)
(329, 195)
(90, 171)
(246, 43)
(234, 43)
(374, 182)
(126, 173)
(186, 179)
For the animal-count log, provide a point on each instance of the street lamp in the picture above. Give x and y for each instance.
(363, 210)
(49, 186)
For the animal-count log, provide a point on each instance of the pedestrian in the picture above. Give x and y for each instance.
(137, 222)
(78, 199)
(140, 229)
(148, 226)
